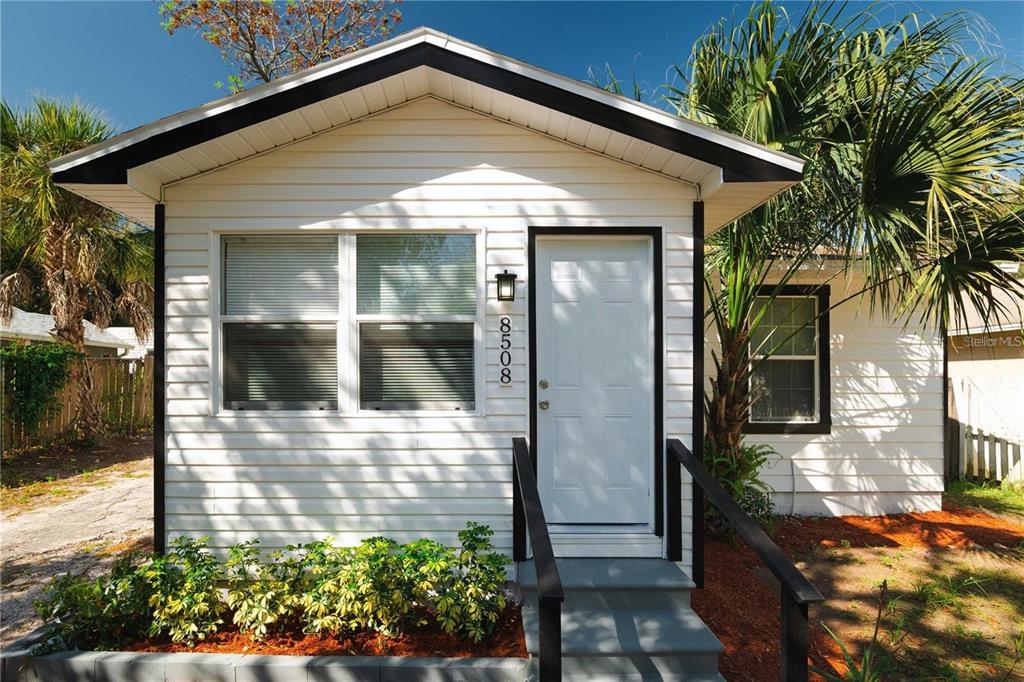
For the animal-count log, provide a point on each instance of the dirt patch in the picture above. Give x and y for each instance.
(956, 586)
(40, 476)
(429, 640)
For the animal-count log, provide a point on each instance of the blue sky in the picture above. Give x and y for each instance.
(115, 56)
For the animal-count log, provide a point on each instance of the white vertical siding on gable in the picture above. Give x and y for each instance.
(427, 165)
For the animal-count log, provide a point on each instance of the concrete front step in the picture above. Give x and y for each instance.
(625, 619)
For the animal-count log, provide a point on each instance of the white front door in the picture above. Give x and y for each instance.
(595, 379)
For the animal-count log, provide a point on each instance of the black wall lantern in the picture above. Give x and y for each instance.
(506, 286)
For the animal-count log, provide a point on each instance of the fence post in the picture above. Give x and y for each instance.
(961, 464)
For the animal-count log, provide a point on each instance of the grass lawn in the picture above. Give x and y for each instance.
(36, 476)
(987, 496)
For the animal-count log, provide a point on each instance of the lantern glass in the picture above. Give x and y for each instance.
(506, 286)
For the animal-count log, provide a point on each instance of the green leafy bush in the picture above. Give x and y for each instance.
(263, 594)
(33, 376)
(364, 587)
(470, 600)
(377, 586)
(386, 587)
(96, 613)
(741, 477)
(185, 600)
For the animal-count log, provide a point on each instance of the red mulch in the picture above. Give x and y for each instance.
(742, 609)
(507, 641)
(952, 528)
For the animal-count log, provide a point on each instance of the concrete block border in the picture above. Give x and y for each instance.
(18, 665)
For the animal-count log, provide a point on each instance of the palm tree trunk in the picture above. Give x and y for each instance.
(728, 405)
(69, 303)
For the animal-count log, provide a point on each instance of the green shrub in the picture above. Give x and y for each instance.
(263, 594)
(378, 586)
(185, 601)
(364, 587)
(471, 600)
(96, 613)
(385, 587)
(322, 562)
(33, 376)
(741, 477)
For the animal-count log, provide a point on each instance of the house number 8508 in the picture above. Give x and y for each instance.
(505, 359)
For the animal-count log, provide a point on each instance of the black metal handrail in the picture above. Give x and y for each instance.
(796, 590)
(528, 515)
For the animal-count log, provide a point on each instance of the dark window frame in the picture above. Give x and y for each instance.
(823, 425)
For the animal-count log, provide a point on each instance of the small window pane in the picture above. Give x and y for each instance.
(783, 391)
(430, 274)
(416, 366)
(280, 366)
(271, 275)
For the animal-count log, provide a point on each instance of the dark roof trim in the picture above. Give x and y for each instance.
(736, 165)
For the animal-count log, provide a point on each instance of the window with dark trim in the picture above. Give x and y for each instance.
(789, 379)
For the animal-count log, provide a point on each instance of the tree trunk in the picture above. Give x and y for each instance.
(68, 305)
(728, 406)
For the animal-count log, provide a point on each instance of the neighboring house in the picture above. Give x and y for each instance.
(38, 328)
(139, 348)
(336, 359)
(986, 368)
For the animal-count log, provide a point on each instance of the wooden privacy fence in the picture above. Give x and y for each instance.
(124, 390)
(986, 456)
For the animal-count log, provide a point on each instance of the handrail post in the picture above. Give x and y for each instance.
(796, 591)
(794, 639)
(550, 612)
(699, 522)
(673, 509)
(518, 517)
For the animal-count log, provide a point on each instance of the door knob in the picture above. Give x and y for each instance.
(544, 404)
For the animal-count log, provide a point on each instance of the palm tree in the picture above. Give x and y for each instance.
(914, 157)
(89, 261)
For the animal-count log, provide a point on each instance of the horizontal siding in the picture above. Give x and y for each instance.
(427, 165)
(884, 453)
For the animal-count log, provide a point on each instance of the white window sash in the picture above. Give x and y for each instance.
(817, 370)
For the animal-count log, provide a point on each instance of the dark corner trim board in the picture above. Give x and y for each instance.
(655, 233)
(112, 168)
(697, 437)
(824, 423)
(159, 378)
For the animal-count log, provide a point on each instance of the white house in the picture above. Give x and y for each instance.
(39, 328)
(336, 358)
(986, 368)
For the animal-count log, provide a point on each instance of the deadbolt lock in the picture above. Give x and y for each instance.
(543, 383)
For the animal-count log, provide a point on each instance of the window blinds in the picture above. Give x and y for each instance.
(280, 366)
(406, 366)
(282, 276)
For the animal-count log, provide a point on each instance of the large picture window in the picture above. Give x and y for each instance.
(413, 317)
(789, 352)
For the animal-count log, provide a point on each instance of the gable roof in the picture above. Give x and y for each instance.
(39, 327)
(127, 172)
